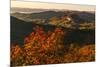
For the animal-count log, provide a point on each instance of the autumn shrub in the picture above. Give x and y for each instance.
(78, 53)
(16, 55)
(42, 47)
(87, 53)
(38, 47)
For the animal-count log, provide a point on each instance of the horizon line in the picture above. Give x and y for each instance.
(46, 5)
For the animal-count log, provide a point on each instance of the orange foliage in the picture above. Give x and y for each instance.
(42, 47)
(87, 50)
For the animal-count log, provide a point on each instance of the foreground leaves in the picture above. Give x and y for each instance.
(42, 47)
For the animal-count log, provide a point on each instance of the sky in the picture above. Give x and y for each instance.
(41, 5)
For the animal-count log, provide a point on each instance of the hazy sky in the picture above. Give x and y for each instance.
(23, 4)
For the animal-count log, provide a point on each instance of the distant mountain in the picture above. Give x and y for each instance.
(67, 19)
(26, 10)
(41, 15)
(83, 17)
(75, 15)
(30, 10)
